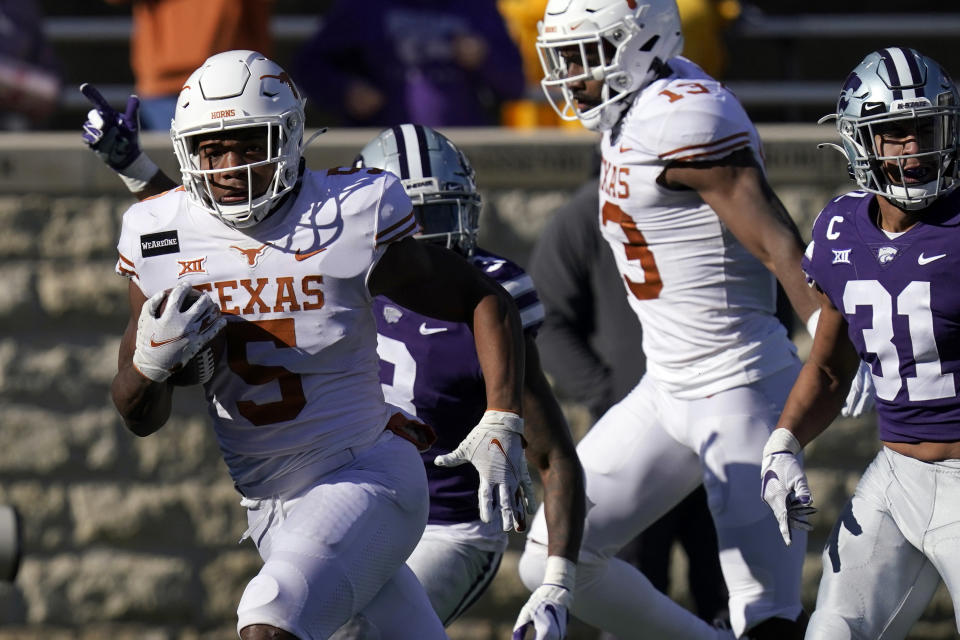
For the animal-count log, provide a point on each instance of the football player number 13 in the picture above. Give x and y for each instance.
(635, 248)
(929, 381)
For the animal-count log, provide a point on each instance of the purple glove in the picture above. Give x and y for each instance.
(113, 136)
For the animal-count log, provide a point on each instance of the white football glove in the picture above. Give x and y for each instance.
(784, 485)
(860, 398)
(547, 610)
(495, 448)
(167, 342)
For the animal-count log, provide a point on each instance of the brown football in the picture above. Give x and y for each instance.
(200, 368)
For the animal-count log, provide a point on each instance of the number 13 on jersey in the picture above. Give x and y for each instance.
(635, 248)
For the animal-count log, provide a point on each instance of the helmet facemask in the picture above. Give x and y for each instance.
(597, 60)
(911, 180)
(897, 100)
(437, 177)
(447, 216)
(239, 95)
(609, 41)
(199, 181)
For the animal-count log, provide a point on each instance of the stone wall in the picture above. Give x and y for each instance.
(137, 538)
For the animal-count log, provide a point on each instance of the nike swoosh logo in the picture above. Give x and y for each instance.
(767, 477)
(426, 331)
(154, 343)
(925, 260)
(303, 256)
(624, 149)
(499, 446)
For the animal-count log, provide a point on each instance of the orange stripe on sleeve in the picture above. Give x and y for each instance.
(126, 272)
(389, 229)
(408, 230)
(743, 134)
(713, 152)
(180, 188)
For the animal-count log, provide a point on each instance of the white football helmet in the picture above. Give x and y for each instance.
(639, 35)
(234, 90)
(438, 178)
(899, 88)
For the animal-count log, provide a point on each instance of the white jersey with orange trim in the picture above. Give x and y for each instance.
(706, 304)
(299, 381)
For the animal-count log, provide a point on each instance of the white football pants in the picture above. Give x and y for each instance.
(896, 538)
(338, 548)
(456, 564)
(641, 458)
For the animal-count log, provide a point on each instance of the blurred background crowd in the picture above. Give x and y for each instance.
(436, 62)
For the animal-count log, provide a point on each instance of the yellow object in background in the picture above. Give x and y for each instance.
(704, 22)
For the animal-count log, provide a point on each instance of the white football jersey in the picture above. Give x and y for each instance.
(706, 304)
(299, 380)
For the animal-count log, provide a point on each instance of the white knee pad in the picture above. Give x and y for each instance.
(358, 627)
(277, 597)
(827, 626)
(533, 563)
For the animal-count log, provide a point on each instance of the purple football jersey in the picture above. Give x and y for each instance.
(430, 369)
(902, 306)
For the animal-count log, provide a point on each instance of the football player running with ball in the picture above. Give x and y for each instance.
(884, 261)
(430, 370)
(698, 236)
(291, 260)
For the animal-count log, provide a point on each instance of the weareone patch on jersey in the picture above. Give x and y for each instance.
(158, 244)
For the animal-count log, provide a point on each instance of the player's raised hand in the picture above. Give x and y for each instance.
(784, 485)
(495, 448)
(115, 138)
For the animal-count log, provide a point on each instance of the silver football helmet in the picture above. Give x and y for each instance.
(899, 94)
(438, 178)
(621, 42)
(239, 90)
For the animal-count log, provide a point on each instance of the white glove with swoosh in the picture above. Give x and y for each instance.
(169, 341)
(784, 485)
(495, 448)
(547, 610)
